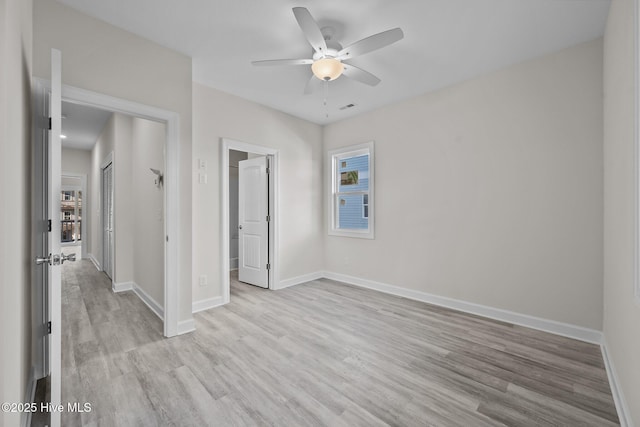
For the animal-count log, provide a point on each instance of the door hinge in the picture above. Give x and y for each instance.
(49, 226)
(48, 327)
(268, 266)
(268, 218)
(49, 123)
(268, 170)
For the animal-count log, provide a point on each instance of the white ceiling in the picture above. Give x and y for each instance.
(82, 125)
(446, 41)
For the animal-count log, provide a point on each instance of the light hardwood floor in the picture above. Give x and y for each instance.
(322, 353)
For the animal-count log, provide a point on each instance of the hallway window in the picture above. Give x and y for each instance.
(71, 216)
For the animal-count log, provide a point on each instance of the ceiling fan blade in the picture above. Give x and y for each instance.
(283, 62)
(312, 85)
(360, 75)
(371, 43)
(310, 29)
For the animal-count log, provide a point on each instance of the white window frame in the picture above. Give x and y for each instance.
(333, 157)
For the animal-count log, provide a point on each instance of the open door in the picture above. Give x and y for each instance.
(253, 221)
(47, 232)
(107, 220)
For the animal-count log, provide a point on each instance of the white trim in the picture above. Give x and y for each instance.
(95, 262)
(274, 204)
(636, 156)
(122, 287)
(233, 263)
(29, 397)
(150, 302)
(142, 294)
(172, 264)
(206, 304)
(624, 414)
(186, 326)
(551, 326)
(299, 280)
(331, 184)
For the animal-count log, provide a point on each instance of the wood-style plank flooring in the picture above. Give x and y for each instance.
(323, 354)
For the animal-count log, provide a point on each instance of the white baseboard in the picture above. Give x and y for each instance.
(299, 280)
(551, 326)
(618, 397)
(122, 287)
(206, 304)
(145, 297)
(29, 397)
(186, 326)
(94, 261)
(150, 302)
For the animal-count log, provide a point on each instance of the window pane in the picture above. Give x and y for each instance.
(353, 174)
(78, 226)
(350, 208)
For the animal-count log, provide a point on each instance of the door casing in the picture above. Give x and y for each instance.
(172, 323)
(274, 210)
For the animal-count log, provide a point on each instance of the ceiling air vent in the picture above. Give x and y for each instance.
(348, 106)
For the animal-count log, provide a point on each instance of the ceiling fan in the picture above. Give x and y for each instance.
(327, 62)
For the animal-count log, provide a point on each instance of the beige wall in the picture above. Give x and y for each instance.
(217, 115)
(103, 147)
(15, 186)
(621, 312)
(105, 59)
(147, 214)
(122, 200)
(490, 191)
(137, 145)
(77, 161)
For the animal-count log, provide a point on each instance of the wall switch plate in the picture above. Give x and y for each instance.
(203, 280)
(202, 178)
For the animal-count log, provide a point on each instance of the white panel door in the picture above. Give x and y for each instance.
(107, 220)
(51, 260)
(253, 225)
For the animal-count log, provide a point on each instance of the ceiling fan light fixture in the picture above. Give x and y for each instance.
(327, 69)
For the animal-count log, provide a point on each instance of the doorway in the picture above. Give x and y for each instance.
(107, 218)
(169, 243)
(234, 153)
(73, 239)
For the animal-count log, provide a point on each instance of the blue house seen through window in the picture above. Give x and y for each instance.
(353, 189)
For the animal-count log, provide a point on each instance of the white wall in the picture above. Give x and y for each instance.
(105, 59)
(621, 312)
(137, 145)
(15, 186)
(147, 214)
(122, 200)
(76, 161)
(103, 147)
(490, 191)
(217, 115)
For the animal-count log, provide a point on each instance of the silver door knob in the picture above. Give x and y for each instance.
(239, 227)
(40, 261)
(51, 260)
(70, 257)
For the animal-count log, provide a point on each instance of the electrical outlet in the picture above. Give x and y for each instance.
(202, 164)
(203, 280)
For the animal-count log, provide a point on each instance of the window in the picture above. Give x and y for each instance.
(351, 197)
(71, 216)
